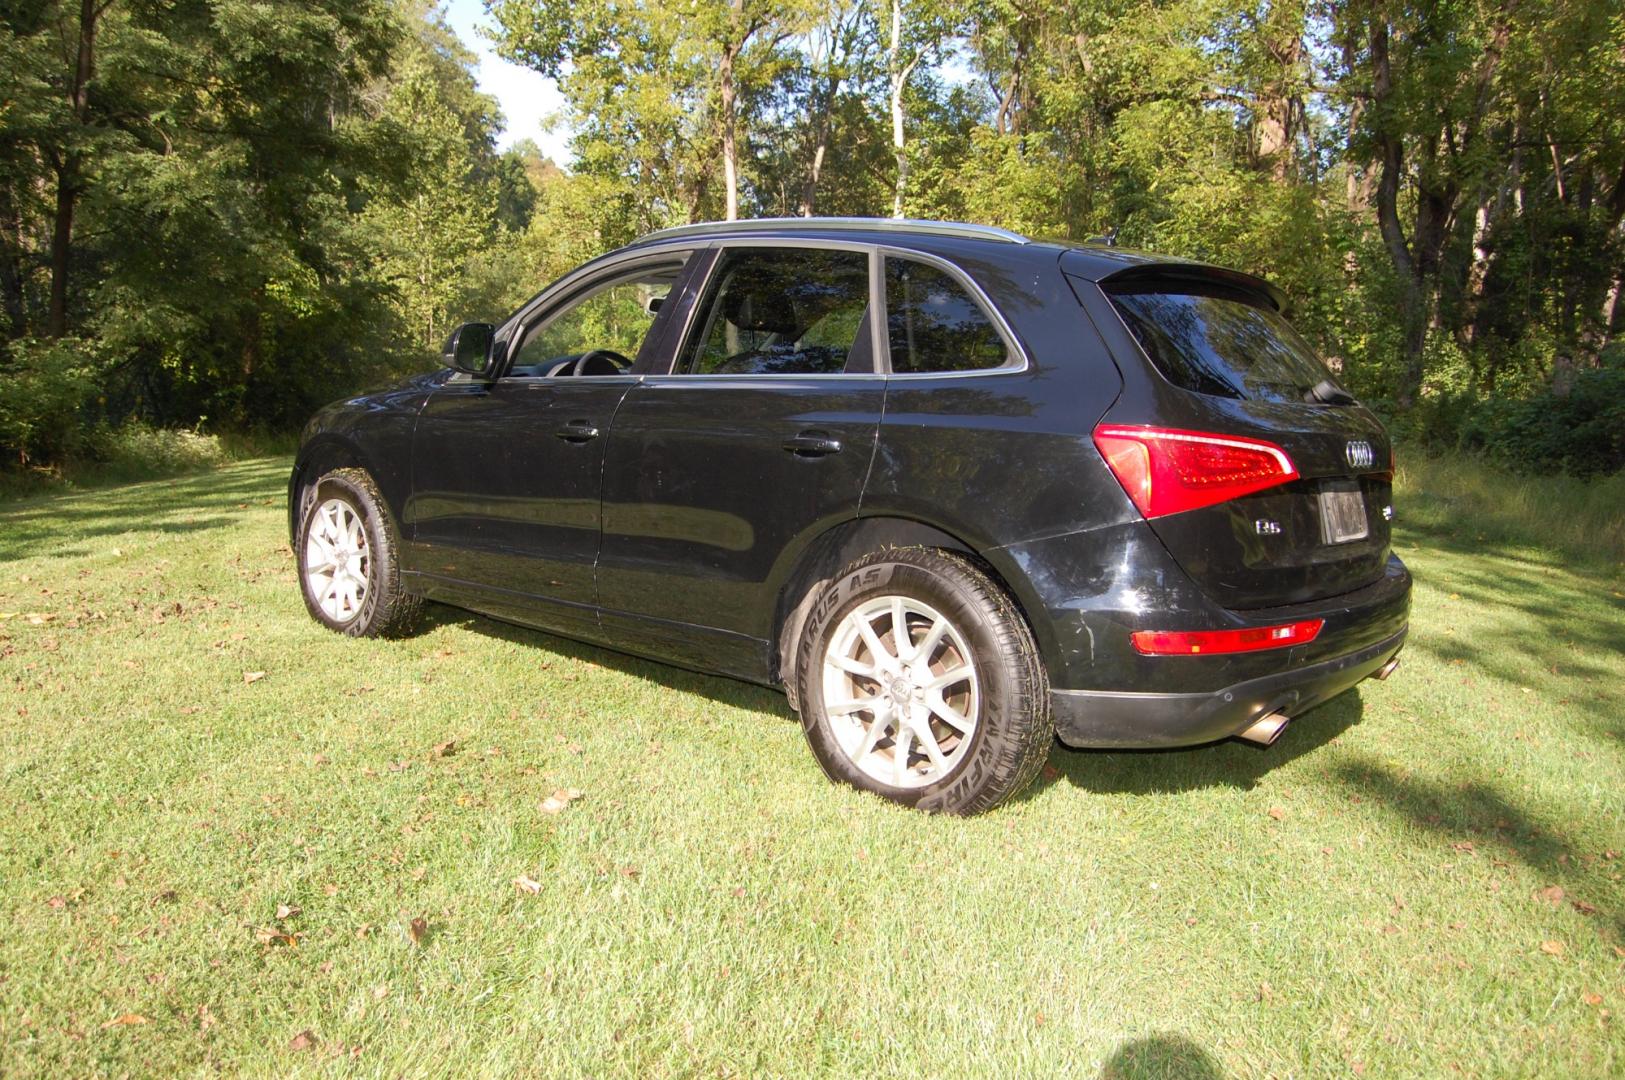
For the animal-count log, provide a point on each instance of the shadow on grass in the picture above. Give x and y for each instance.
(1484, 823)
(718, 688)
(1223, 764)
(1160, 1057)
(48, 525)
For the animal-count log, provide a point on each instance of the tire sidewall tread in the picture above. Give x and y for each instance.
(388, 609)
(1015, 728)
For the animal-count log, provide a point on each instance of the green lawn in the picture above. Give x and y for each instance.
(1423, 878)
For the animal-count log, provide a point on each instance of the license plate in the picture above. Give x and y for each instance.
(1342, 514)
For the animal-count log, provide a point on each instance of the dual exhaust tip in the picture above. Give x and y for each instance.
(1267, 728)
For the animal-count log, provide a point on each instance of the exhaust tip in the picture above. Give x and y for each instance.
(1386, 669)
(1266, 729)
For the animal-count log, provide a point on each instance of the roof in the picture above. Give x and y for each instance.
(1091, 261)
(782, 225)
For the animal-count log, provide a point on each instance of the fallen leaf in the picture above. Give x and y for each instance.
(1277, 813)
(556, 802)
(57, 902)
(1464, 845)
(444, 750)
(527, 884)
(418, 929)
(1551, 894)
(330, 889)
(286, 911)
(302, 1041)
(1584, 908)
(251, 677)
(380, 993)
(631, 872)
(1552, 948)
(1591, 999)
(125, 1021)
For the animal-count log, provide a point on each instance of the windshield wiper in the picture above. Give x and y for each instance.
(1326, 392)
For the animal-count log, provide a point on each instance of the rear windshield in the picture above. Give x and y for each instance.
(1224, 342)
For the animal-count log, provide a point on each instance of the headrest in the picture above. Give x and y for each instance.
(759, 306)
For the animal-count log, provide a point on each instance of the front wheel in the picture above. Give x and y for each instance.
(918, 679)
(348, 559)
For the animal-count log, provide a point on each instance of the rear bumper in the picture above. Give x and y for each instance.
(1103, 718)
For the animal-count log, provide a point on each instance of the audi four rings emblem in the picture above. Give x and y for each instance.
(1359, 454)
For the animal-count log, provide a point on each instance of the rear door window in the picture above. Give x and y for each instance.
(934, 324)
(1224, 342)
(783, 311)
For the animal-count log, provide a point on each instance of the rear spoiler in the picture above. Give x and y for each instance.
(1150, 270)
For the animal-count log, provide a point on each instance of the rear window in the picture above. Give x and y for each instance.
(1224, 342)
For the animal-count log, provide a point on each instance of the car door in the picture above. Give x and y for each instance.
(760, 430)
(504, 511)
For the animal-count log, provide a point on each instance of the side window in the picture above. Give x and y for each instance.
(782, 311)
(933, 324)
(611, 320)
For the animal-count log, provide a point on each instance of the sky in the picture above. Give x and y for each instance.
(529, 99)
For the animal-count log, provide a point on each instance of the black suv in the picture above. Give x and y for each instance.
(957, 492)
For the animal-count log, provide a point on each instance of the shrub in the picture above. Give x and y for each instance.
(1581, 433)
(46, 389)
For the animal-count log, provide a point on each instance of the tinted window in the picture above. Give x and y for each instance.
(614, 317)
(782, 311)
(934, 325)
(1222, 342)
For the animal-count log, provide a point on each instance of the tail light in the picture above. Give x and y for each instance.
(1166, 471)
(1208, 642)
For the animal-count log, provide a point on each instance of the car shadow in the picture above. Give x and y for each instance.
(718, 688)
(1228, 763)
(1103, 772)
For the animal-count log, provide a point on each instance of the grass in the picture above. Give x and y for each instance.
(1423, 878)
(1463, 498)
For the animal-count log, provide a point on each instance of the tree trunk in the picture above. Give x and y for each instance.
(898, 72)
(821, 135)
(730, 151)
(67, 171)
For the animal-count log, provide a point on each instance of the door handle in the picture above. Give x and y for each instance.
(577, 431)
(812, 444)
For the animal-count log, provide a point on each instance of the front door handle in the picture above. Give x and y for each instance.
(811, 444)
(577, 431)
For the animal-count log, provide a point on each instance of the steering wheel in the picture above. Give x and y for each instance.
(600, 362)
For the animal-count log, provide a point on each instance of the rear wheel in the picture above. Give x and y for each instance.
(918, 680)
(348, 559)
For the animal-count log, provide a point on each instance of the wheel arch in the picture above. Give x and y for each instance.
(821, 557)
(321, 455)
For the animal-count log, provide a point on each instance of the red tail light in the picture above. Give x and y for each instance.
(1166, 471)
(1205, 642)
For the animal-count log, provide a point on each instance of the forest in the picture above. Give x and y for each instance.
(216, 215)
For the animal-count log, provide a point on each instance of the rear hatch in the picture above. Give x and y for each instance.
(1217, 359)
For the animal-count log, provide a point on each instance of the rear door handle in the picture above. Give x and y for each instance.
(812, 444)
(577, 431)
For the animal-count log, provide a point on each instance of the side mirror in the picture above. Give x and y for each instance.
(468, 350)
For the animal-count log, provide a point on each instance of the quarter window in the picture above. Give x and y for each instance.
(933, 324)
(783, 311)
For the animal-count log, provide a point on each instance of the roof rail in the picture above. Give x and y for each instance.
(838, 224)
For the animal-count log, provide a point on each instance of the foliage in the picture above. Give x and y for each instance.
(250, 206)
(1581, 432)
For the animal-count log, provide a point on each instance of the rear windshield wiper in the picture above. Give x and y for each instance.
(1326, 392)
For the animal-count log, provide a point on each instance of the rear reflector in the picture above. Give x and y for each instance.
(1166, 471)
(1204, 642)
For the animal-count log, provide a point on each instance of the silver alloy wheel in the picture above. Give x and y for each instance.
(900, 691)
(337, 560)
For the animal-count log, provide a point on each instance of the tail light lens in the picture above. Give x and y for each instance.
(1167, 471)
(1208, 642)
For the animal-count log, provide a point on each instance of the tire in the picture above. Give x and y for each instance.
(969, 677)
(348, 558)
